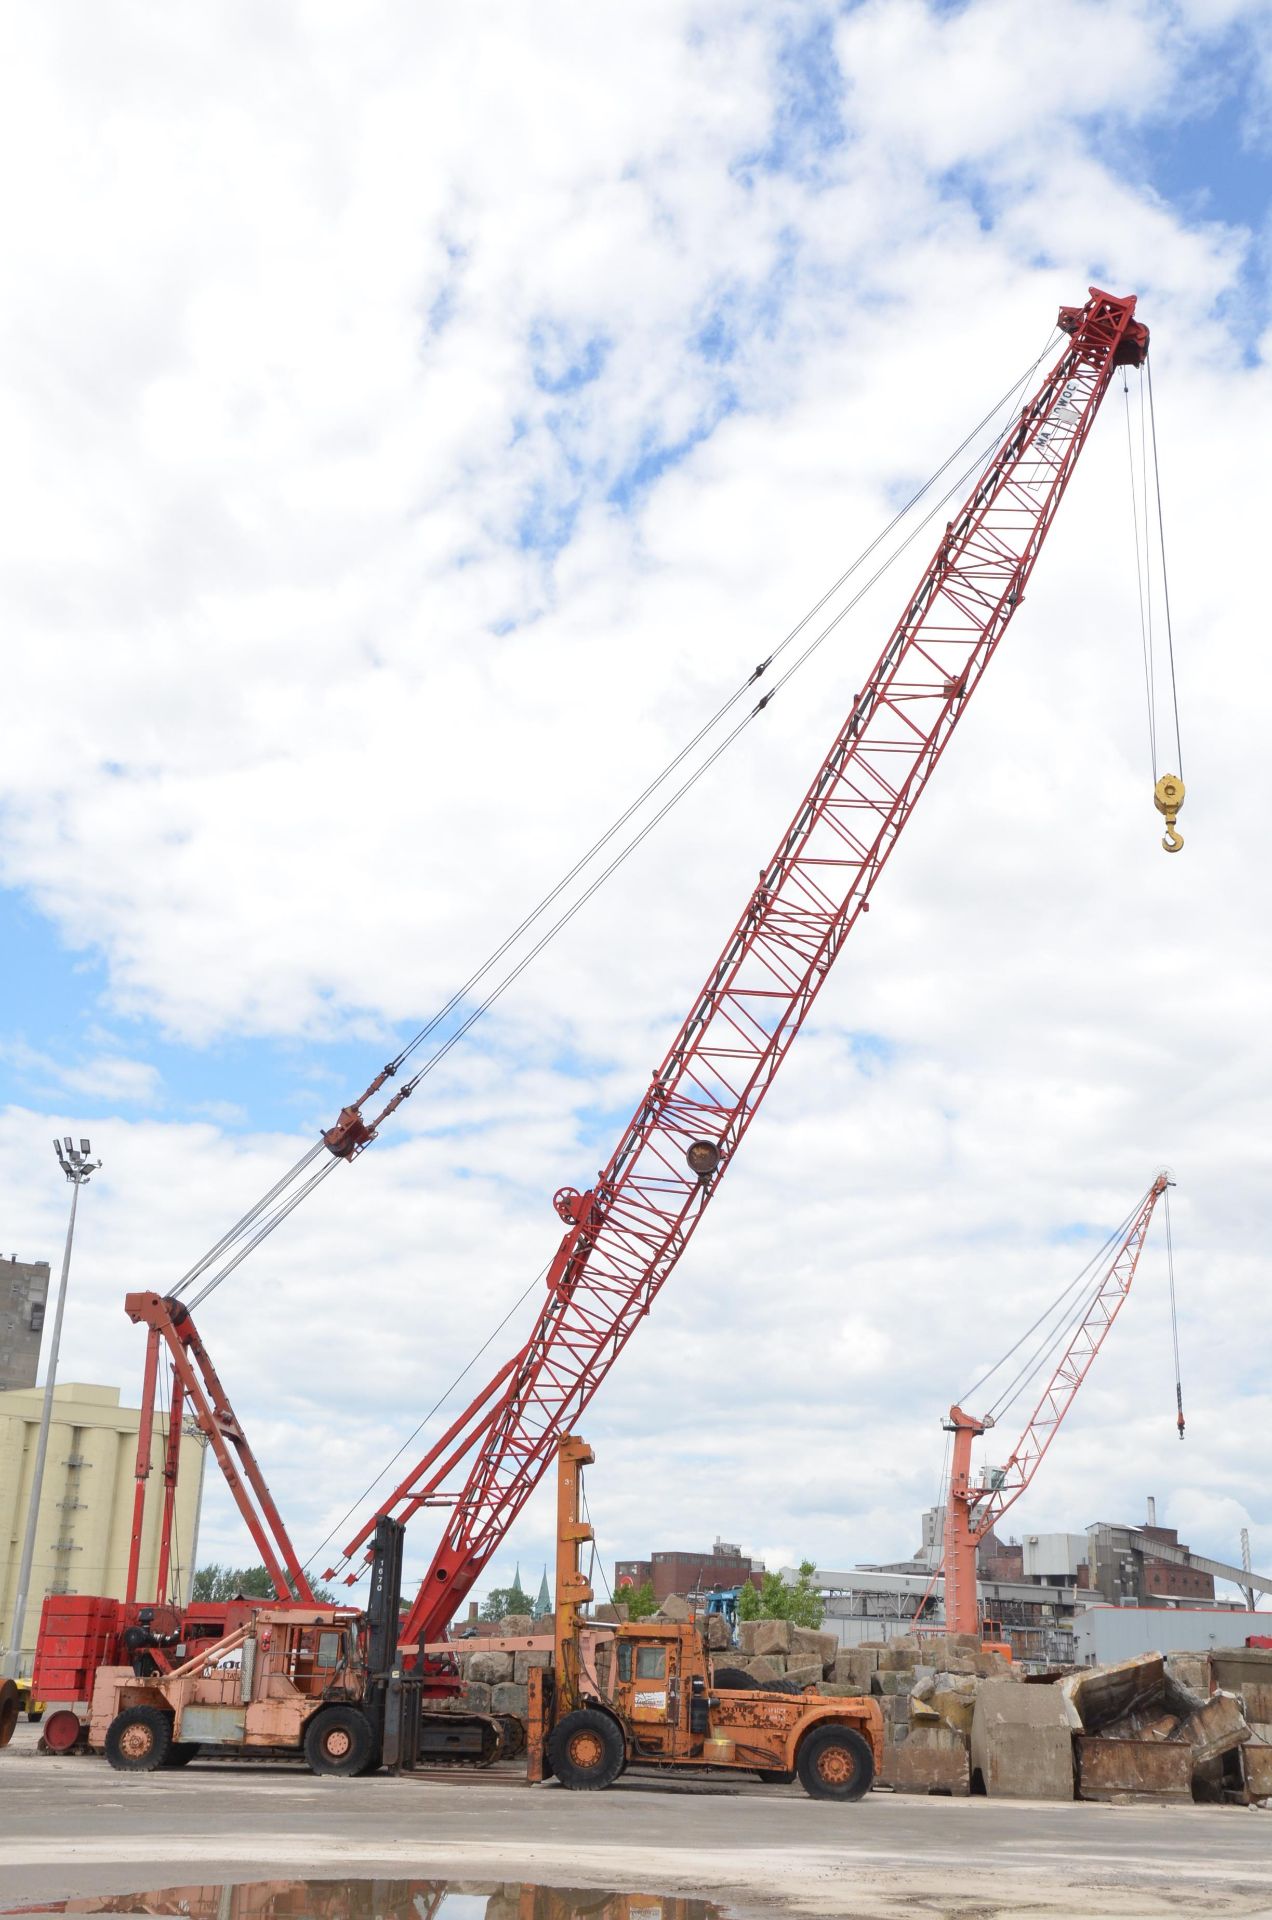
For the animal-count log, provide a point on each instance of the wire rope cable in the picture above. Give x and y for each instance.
(1140, 562)
(436, 1407)
(1161, 534)
(259, 1222)
(1174, 1317)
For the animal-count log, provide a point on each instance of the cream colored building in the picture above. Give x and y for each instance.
(86, 1502)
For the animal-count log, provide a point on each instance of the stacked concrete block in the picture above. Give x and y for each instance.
(511, 1698)
(488, 1667)
(929, 1759)
(803, 1673)
(523, 1662)
(762, 1637)
(717, 1635)
(810, 1645)
(675, 1609)
(1022, 1742)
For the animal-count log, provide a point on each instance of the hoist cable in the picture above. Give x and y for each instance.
(264, 1223)
(709, 726)
(263, 1232)
(1078, 1280)
(1174, 1318)
(434, 1409)
(483, 1006)
(1161, 532)
(1140, 561)
(241, 1226)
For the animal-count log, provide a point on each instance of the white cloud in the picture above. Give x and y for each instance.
(273, 422)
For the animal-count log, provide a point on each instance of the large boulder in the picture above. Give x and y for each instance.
(523, 1662)
(676, 1609)
(803, 1673)
(517, 1626)
(822, 1647)
(855, 1667)
(1022, 1742)
(490, 1667)
(765, 1636)
(716, 1632)
(763, 1670)
(510, 1698)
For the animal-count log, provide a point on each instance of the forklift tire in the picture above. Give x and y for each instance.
(780, 1686)
(835, 1763)
(10, 1708)
(776, 1776)
(181, 1753)
(733, 1680)
(139, 1740)
(339, 1740)
(586, 1750)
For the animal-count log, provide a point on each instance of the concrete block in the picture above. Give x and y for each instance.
(1216, 1728)
(854, 1667)
(807, 1674)
(840, 1690)
(923, 1713)
(517, 1625)
(1022, 1746)
(610, 1615)
(716, 1633)
(762, 1670)
(822, 1647)
(475, 1698)
(929, 1760)
(766, 1636)
(1236, 1668)
(955, 1709)
(1257, 1701)
(675, 1608)
(523, 1662)
(898, 1659)
(1256, 1763)
(891, 1683)
(510, 1698)
(1138, 1770)
(1191, 1670)
(489, 1667)
(988, 1666)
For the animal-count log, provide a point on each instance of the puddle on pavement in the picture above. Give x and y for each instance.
(387, 1900)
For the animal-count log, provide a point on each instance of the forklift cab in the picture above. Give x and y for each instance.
(652, 1681)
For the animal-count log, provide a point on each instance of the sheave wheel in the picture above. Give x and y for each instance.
(835, 1763)
(586, 1750)
(776, 1776)
(339, 1740)
(139, 1740)
(10, 1708)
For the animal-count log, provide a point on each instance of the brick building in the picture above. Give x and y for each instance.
(681, 1571)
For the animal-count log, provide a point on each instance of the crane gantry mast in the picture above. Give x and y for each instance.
(971, 1511)
(625, 1233)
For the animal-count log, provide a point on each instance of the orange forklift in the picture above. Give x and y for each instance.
(645, 1695)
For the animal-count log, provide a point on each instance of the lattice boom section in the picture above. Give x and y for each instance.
(632, 1228)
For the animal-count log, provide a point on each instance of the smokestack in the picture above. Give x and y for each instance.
(1152, 1511)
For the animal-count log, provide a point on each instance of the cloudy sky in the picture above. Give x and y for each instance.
(416, 422)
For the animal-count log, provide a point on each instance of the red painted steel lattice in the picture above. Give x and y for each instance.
(627, 1232)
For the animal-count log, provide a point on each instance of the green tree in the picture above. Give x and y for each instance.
(776, 1599)
(639, 1601)
(501, 1601)
(216, 1582)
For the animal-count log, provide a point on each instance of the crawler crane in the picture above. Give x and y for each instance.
(625, 1232)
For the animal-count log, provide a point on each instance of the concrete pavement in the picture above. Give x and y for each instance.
(72, 1826)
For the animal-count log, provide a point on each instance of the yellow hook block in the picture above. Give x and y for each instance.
(1168, 798)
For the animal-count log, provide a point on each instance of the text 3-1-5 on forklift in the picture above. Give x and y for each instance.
(645, 1694)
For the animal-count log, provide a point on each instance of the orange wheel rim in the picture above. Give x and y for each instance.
(338, 1743)
(136, 1742)
(834, 1766)
(586, 1750)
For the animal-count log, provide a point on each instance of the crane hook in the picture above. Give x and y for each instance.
(1168, 798)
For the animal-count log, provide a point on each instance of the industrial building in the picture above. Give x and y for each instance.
(24, 1292)
(678, 1570)
(86, 1503)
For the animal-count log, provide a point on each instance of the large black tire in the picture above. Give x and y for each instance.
(10, 1708)
(776, 1776)
(339, 1740)
(586, 1750)
(835, 1763)
(139, 1740)
(779, 1686)
(733, 1680)
(181, 1753)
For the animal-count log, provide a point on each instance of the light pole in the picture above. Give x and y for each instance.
(79, 1169)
